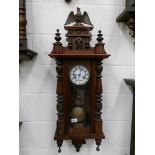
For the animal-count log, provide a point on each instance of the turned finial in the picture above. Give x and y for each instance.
(57, 37)
(99, 36)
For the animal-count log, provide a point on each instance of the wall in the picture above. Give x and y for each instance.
(38, 77)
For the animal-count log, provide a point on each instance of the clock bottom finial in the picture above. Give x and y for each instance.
(77, 146)
(59, 144)
(78, 143)
(98, 143)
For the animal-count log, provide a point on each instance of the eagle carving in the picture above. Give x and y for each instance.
(78, 18)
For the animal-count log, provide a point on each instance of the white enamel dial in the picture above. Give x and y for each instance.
(79, 75)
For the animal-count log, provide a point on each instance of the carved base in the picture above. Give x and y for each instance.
(79, 141)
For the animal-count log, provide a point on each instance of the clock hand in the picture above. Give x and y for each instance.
(79, 74)
(84, 77)
(74, 75)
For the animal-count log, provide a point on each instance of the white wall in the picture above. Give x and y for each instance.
(38, 77)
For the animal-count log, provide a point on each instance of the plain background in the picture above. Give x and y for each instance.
(144, 79)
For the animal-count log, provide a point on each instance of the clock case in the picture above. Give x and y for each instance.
(79, 52)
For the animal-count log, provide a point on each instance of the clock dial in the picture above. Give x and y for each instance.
(79, 75)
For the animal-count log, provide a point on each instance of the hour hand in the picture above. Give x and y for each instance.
(84, 77)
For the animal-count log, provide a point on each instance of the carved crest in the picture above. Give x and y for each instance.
(78, 26)
(78, 18)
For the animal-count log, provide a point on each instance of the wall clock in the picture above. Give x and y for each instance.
(79, 84)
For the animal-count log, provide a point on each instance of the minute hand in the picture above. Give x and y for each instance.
(79, 74)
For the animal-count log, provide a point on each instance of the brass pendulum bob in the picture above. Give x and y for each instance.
(78, 112)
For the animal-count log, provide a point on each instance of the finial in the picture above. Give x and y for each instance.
(99, 38)
(98, 143)
(59, 150)
(57, 37)
(97, 148)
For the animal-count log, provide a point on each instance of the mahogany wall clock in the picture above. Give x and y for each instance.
(79, 84)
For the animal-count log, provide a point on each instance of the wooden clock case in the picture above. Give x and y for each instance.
(79, 52)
